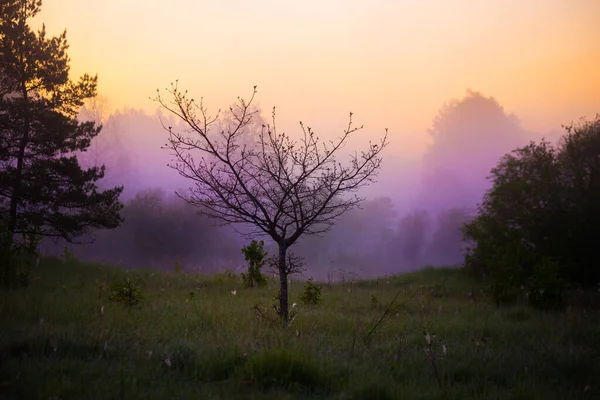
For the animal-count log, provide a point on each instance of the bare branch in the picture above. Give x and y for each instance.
(285, 188)
(249, 174)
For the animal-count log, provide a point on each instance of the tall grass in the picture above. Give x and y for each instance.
(191, 337)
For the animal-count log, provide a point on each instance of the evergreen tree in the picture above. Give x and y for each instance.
(43, 189)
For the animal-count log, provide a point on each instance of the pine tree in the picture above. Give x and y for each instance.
(43, 189)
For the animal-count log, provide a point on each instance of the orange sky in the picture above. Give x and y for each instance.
(392, 62)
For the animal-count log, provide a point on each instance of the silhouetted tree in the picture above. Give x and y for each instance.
(544, 211)
(43, 189)
(282, 187)
(469, 137)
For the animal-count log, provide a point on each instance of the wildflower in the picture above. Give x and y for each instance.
(234, 292)
(294, 305)
(168, 362)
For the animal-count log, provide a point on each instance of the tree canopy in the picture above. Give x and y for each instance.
(43, 189)
(539, 223)
(469, 136)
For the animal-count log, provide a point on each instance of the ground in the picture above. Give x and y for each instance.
(191, 337)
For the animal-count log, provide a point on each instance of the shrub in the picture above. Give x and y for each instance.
(311, 294)
(256, 257)
(124, 291)
(543, 204)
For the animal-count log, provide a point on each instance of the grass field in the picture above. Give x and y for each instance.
(192, 338)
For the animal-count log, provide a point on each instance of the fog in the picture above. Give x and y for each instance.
(410, 218)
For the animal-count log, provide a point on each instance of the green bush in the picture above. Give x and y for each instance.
(256, 257)
(124, 291)
(311, 294)
(539, 222)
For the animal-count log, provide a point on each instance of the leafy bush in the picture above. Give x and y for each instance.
(124, 291)
(311, 294)
(256, 257)
(538, 225)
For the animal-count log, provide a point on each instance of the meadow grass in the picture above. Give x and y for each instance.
(192, 338)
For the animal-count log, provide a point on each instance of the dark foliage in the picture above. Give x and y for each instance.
(539, 224)
(255, 255)
(43, 189)
(160, 231)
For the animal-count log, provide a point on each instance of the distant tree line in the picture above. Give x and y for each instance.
(375, 240)
(160, 230)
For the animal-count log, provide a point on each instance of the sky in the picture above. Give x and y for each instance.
(393, 63)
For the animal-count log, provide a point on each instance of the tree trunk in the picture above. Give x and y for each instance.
(18, 178)
(283, 284)
(6, 252)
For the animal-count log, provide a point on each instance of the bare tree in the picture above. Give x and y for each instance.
(283, 188)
